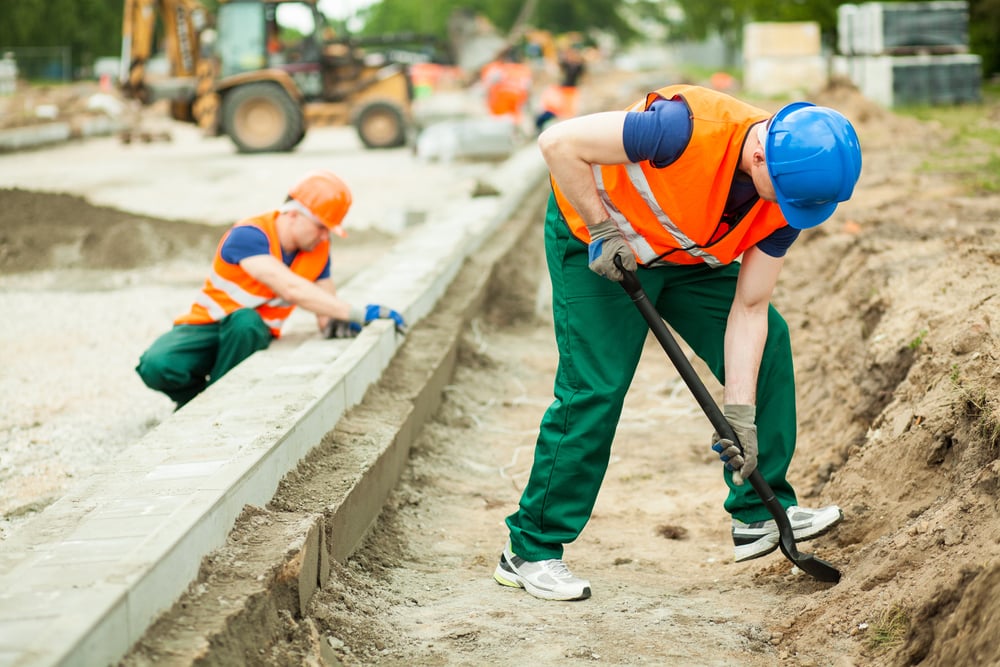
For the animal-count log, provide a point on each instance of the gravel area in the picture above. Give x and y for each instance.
(103, 244)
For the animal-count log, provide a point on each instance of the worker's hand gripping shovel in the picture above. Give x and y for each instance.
(806, 562)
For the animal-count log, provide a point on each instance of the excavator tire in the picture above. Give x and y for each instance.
(262, 118)
(381, 125)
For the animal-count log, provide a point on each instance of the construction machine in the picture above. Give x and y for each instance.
(262, 71)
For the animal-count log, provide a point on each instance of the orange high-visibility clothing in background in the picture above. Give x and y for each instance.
(229, 288)
(561, 101)
(508, 86)
(674, 214)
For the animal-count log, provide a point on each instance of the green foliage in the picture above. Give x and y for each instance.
(557, 16)
(919, 340)
(955, 375)
(984, 33)
(568, 15)
(726, 17)
(91, 28)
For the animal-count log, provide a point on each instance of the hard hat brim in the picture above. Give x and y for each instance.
(801, 217)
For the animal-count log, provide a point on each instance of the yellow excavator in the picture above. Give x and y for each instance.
(263, 71)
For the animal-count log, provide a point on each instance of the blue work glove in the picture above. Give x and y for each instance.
(607, 242)
(741, 418)
(374, 311)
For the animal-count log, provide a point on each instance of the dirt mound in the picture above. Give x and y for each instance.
(40, 231)
(894, 309)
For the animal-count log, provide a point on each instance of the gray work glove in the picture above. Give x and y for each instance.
(741, 418)
(339, 329)
(607, 242)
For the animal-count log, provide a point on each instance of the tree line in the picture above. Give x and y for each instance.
(92, 28)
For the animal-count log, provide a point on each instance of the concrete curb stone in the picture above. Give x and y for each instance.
(86, 578)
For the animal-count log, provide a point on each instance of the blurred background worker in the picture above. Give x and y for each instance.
(507, 82)
(562, 101)
(263, 268)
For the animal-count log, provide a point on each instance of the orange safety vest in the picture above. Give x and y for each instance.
(674, 214)
(229, 288)
(508, 86)
(560, 101)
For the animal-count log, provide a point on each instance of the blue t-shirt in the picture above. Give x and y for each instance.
(246, 241)
(661, 133)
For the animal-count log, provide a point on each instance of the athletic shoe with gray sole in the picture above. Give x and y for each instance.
(545, 579)
(753, 540)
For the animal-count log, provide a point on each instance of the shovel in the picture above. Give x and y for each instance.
(808, 563)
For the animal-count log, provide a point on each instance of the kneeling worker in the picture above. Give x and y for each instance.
(264, 267)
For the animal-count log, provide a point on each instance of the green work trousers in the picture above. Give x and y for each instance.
(189, 357)
(600, 336)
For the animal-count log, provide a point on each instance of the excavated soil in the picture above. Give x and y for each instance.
(893, 312)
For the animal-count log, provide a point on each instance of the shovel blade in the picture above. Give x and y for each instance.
(817, 568)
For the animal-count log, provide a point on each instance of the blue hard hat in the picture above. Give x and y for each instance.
(814, 159)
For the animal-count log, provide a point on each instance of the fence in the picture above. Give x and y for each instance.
(8, 74)
(42, 63)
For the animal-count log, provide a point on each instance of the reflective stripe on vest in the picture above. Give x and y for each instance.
(229, 288)
(676, 214)
(640, 246)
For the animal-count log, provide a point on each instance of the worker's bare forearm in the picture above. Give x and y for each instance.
(573, 147)
(746, 329)
(319, 298)
(746, 333)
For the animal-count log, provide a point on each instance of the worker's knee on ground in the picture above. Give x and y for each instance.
(160, 374)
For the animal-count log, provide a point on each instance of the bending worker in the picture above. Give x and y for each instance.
(682, 184)
(264, 267)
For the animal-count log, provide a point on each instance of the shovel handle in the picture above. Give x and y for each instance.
(677, 356)
(814, 566)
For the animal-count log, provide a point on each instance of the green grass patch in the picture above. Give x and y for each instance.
(981, 408)
(918, 341)
(887, 629)
(972, 150)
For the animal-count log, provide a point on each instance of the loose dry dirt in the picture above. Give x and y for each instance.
(893, 311)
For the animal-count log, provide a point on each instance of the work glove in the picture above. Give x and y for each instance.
(741, 418)
(373, 311)
(339, 329)
(607, 242)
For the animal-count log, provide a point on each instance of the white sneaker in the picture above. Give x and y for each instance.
(753, 540)
(546, 579)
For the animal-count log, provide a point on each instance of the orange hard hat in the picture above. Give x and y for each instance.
(325, 195)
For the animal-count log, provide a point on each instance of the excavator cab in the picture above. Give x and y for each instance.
(256, 35)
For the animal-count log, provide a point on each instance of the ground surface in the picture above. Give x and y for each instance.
(893, 311)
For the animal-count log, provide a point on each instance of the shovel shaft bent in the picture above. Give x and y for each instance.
(807, 563)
